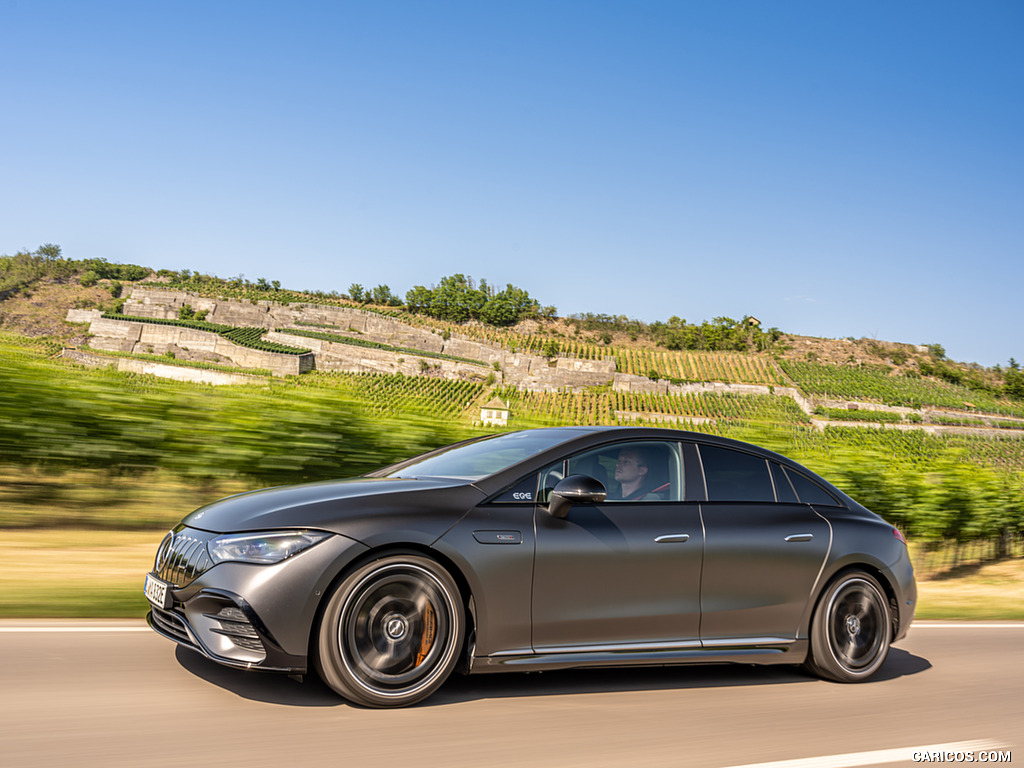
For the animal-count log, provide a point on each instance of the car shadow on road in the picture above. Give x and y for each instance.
(259, 686)
(312, 692)
(683, 677)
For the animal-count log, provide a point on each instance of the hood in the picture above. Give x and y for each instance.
(361, 509)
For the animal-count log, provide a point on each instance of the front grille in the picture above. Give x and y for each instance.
(182, 556)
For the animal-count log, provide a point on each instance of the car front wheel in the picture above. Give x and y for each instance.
(851, 630)
(391, 632)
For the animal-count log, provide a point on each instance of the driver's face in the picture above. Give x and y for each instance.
(628, 468)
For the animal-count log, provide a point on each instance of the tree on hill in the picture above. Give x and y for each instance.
(457, 298)
(722, 333)
(1013, 380)
(382, 296)
(509, 306)
(418, 299)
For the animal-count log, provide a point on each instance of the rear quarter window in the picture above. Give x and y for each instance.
(809, 491)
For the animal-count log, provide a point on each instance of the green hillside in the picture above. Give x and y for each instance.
(935, 446)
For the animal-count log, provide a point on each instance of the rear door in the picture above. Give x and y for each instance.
(763, 549)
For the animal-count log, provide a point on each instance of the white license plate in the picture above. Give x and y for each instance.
(158, 592)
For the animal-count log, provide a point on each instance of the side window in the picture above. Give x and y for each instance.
(783, 489)
(735, 476)
(643, 470)
(810, 492)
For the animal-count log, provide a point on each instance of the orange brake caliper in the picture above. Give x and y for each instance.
(429, 631)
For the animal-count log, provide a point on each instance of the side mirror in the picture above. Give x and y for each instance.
(575, 489)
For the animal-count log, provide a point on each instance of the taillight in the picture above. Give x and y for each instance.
(896, 532)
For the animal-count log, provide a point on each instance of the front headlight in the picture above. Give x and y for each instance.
(262, 548)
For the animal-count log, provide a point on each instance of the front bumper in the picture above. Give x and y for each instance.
(255, 616)
(225, 632)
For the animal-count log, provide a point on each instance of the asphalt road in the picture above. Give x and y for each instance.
(113, 694)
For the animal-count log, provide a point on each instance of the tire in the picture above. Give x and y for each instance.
(391, 632)
(851, 629)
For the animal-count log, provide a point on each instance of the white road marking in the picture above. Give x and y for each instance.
(875, 757)
(74, 629)
(967, 625)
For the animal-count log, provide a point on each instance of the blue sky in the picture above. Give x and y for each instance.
(836, 169)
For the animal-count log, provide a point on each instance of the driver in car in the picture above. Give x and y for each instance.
(632, 472)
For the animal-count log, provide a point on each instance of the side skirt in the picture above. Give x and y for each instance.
(739, 652)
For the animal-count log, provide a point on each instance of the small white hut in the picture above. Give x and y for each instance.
(494, 413)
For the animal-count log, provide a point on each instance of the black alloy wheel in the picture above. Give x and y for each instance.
(391, 632)
(851, 630)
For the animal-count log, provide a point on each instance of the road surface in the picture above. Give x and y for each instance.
(115, 694)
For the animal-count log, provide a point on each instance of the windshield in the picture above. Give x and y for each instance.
(485, 457)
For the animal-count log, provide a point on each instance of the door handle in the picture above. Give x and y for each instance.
(800, 537)
(672, 538)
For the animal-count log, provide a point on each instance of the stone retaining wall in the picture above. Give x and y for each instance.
(163, 370)
(83, 315)
(190, 344)
(164, 303)
(530, 372)
(334, 356)
(662, 418)
(926, 411)
(931, 429)
(627, 382)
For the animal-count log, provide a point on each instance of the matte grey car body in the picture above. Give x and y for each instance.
(541, 549)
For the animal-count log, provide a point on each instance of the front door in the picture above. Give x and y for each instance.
(625, 572)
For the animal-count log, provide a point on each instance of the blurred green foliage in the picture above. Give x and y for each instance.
(56, 417)
(59, 417)
(932, 488)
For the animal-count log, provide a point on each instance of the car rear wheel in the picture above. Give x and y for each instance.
(851, 630)
(391, 632)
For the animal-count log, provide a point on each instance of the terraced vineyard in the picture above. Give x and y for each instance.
(842, 414)
(913, 448)
(686, 365)
(393, 394)
(612, 407)
(728, 367)
(17, 348)
(873, 383)
(243, 336)
(339, 339)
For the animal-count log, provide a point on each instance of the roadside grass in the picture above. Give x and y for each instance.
(89, 573)
(32, 498)
(986, 591)
(75, 573)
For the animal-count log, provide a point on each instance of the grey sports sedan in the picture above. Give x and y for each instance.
(533, 550)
